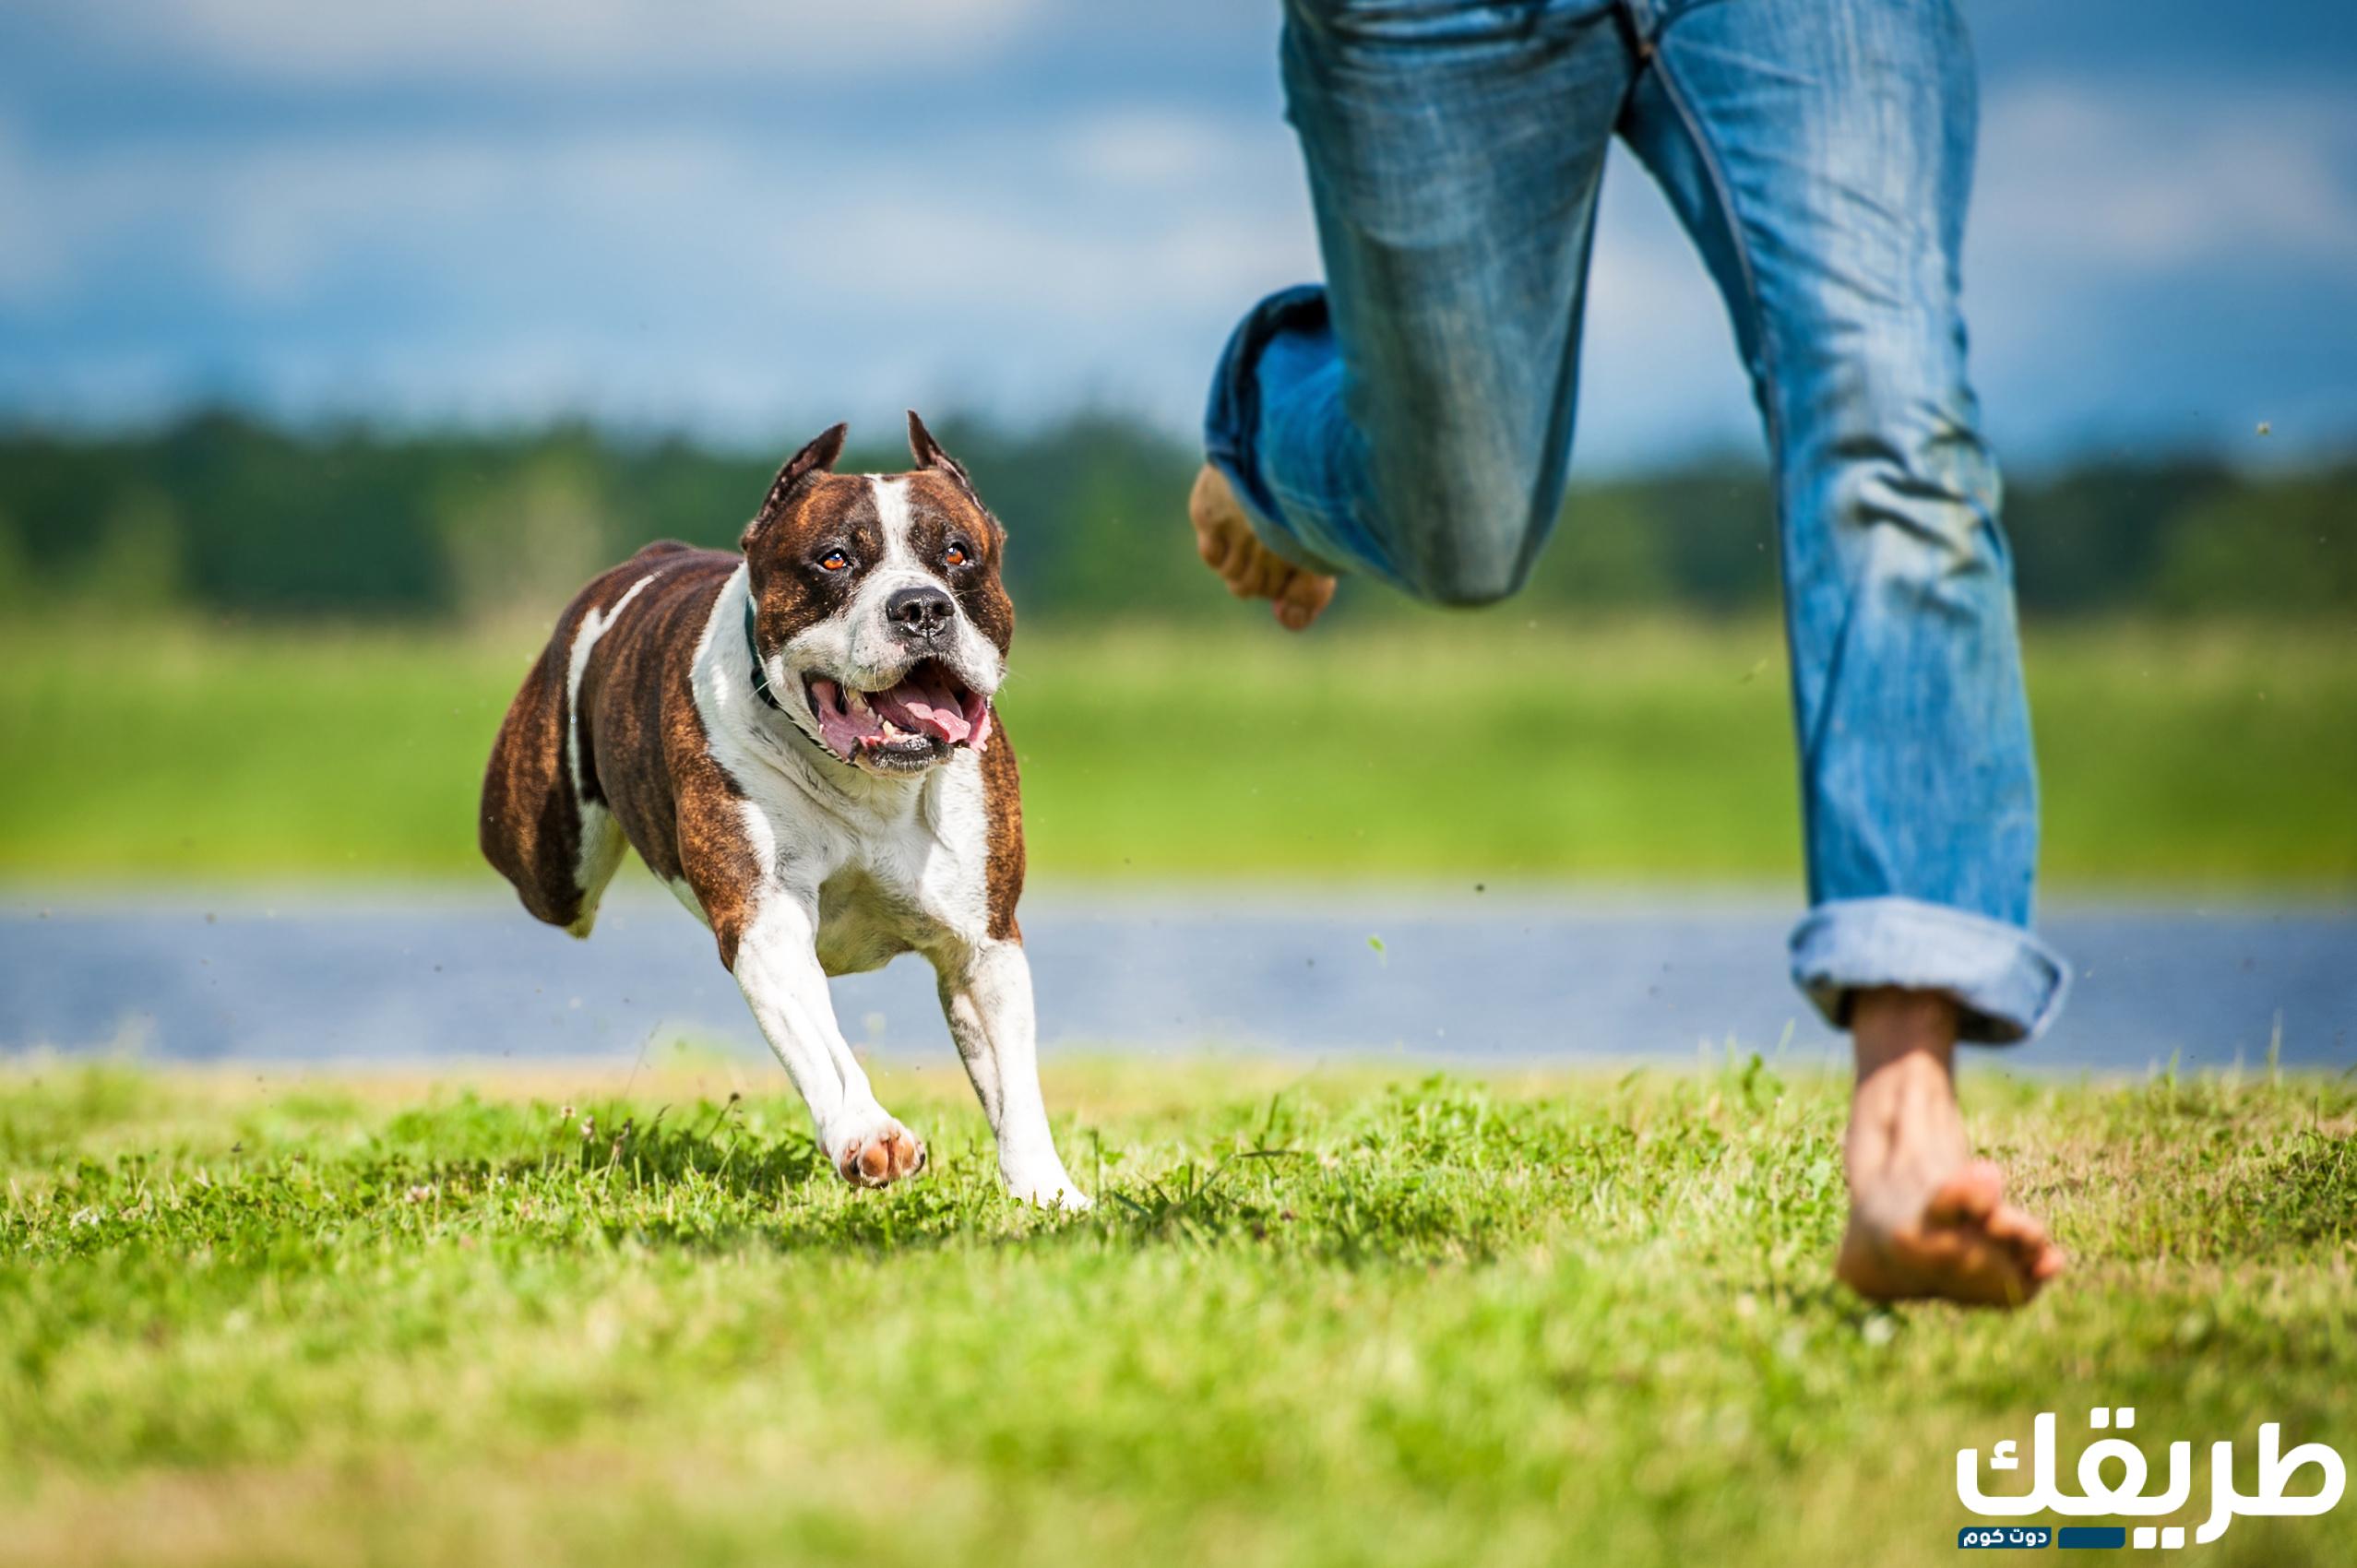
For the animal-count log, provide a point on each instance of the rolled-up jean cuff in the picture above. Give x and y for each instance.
(2009, 983)
(1232, 418)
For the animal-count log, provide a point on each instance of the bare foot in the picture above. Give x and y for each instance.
(878, 1155)
(1225, 541)
(1926, 1219)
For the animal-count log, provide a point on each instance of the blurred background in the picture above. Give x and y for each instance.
(338, 346)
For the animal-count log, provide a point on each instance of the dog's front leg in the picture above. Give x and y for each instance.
(986, 995)
(776, 968)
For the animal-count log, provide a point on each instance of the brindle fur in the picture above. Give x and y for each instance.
(644, 755)
(1003, 788)
(816, 856)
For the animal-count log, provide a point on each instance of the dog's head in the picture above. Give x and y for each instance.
(879, 618)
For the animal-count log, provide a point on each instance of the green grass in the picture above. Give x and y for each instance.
(1325, 1319)
(1473, 748)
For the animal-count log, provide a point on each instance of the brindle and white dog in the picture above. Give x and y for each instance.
(799, 740)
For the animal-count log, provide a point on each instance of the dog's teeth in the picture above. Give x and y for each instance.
(892, 731)
(859, 702)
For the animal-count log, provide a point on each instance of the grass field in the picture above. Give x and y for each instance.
(1467, 749)
(1331, 1318)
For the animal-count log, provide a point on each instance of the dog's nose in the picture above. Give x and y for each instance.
(922, 612)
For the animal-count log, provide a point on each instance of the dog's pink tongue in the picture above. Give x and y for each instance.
(926, 704)
(842, 732)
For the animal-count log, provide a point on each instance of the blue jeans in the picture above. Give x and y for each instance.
(1412, 419)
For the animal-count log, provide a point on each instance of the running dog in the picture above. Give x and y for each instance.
(799, 740)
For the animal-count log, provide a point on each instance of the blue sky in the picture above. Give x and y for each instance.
(747, 218)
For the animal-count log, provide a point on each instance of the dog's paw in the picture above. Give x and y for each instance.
(879, 1154)
(1050, 1188)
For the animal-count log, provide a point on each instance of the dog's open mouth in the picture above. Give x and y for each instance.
(918, 721)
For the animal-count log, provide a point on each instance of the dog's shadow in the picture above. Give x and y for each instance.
(727, 1161)
(720, 1186)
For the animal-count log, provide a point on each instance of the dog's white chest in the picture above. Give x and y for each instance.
(918, 883)
(862, 926)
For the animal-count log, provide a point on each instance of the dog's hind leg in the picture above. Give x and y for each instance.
(545, 824)
(602, 844)
(530, 827)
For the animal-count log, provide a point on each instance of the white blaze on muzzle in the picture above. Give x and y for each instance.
(875, 691)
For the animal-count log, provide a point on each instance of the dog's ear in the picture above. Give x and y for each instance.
(929, 455)
(927, 451)
(815, 459)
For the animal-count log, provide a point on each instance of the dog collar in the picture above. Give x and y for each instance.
(753, 650)
(761, 689)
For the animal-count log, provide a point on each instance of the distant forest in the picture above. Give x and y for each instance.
(221, 516)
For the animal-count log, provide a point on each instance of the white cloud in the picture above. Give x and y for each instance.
(1659, 372)
(658, 272)
(738, 278)
(996, 220)
(1164, 148)
(32, 255)
(2136, 180)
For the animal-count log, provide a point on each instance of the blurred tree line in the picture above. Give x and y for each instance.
(222, 515)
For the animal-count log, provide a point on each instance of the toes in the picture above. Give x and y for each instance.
(2033, 1250)
(1224, 541)
(1302, 597)
(2017, 1227)
(1249, 572)
(1969, 1197)
(1972, 1202)
(1930, 1259)
(1946, 1264)
(1967, 1246)
(882, 1157)
(1973, 1269)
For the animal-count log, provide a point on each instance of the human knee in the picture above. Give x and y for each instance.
(1932, 489)
(1891, 451)
(1467, 574)
(1462, 578)
(1470, 541)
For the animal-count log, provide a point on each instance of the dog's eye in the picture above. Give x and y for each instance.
(834, 561)
(957, 555)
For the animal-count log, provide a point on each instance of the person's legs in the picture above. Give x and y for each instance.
(1412, 418)
(1820, 152)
